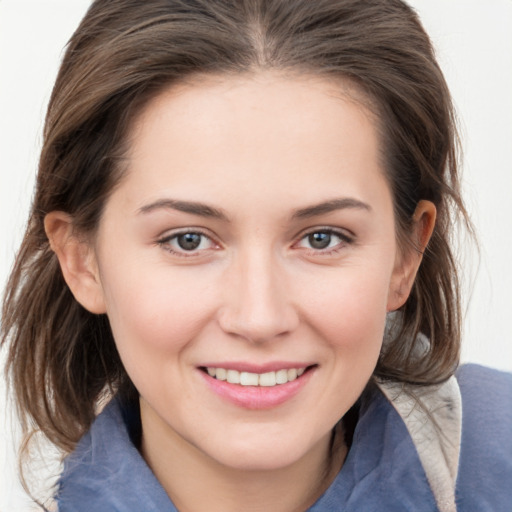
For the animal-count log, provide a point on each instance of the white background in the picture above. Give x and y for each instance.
(473, 39)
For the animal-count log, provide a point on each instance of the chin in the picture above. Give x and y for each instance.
(270, 453)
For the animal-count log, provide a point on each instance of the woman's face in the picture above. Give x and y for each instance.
(252, 239)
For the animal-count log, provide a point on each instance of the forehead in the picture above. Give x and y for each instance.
(260, 134)
(287, 96)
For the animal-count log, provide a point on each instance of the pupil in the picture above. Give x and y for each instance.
(189, 241)
(319, 240)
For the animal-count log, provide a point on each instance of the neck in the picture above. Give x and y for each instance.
(195, 482)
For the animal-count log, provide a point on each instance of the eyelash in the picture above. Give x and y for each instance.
(344, 238)
(165, 242)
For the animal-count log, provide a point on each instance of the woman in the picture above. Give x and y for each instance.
(240, 237)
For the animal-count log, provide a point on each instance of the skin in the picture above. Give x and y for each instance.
(259, 150)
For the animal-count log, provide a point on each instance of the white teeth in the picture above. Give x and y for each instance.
(249, 379)
(282, 377)
(267, 379)
(233, 377)
(292, 374)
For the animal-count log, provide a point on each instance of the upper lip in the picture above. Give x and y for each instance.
(256, 368)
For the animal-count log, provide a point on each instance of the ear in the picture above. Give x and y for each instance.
(409, 259)
(77, 261)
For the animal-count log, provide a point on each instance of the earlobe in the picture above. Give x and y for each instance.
(77, 261)
(409, 260)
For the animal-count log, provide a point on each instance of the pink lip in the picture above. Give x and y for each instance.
(257, 397)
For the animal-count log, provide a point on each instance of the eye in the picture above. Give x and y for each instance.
(187, 242)
(324, 240)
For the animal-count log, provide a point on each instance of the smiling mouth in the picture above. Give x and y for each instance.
(267, 379)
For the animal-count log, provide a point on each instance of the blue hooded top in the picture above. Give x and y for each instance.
(394, 464)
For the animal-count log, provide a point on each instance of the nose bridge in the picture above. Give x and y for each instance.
(258, 304)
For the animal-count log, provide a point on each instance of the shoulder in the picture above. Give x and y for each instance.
(485, 468)
(486, 402)
(475, 377)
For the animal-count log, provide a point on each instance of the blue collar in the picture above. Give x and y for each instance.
(382, 471)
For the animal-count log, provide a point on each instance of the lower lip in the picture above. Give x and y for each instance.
(257, 397)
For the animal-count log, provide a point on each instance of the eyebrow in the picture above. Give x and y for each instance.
(205, 210)
(331, 206)
(193, 207)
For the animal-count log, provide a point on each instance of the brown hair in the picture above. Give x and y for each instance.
(63, 359)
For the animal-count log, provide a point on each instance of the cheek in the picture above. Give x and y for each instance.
(154, 315)
(350, 311)
(350, 320)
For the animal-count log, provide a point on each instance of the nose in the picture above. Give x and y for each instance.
(258, 304)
